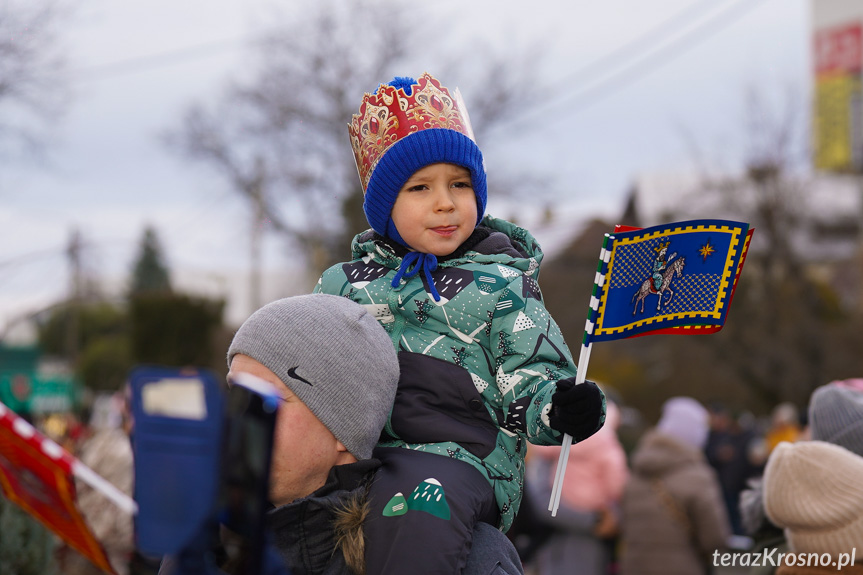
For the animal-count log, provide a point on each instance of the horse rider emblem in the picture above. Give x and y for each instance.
(660, 263)
(665, 269)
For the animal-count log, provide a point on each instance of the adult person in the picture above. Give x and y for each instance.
(773, 505)
(674, 517)
(585, 527)
(727, 451)
(107, 451)
(812, 489)
(336, 371)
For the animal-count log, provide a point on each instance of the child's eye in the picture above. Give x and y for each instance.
(416, 188)
(461, 184)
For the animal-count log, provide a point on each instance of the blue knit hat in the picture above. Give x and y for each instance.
(403, 127)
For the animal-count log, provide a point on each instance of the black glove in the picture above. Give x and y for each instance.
(578, 410)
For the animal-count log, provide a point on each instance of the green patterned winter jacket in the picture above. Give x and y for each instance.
(478, 367)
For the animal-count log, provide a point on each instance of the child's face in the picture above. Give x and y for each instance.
(435, 211)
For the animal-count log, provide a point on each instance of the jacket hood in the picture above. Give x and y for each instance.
(658, 454)
(494, 241)
(334, 514)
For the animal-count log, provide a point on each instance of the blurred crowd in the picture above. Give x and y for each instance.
(663, 500)
(100, 439)
(702, 482)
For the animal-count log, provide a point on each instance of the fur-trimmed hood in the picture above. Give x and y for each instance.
(322, 534)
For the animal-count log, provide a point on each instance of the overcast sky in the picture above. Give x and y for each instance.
(682, 78)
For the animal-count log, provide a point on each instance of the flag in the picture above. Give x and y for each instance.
(36, 474)
(673, 278)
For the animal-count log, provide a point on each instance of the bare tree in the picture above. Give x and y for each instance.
(279, 134)
(787, 333)
(33, 89)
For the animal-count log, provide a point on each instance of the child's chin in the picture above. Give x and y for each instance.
(440, 249)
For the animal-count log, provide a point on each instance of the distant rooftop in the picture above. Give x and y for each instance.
(829, 207)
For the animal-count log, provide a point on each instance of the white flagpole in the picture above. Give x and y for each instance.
(104, 487)
(81, 471)
(580, 377)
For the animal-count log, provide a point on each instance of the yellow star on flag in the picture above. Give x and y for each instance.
(706, 250)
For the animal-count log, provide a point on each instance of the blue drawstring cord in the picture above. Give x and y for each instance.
(411, 265)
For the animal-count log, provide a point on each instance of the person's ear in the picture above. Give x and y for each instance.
(343, 455)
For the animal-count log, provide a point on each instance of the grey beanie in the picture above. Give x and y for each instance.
(334, 356)
(836, 416)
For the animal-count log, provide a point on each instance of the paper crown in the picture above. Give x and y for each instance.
(390, 115)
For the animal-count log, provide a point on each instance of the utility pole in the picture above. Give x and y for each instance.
(73, 253)
(255, 255)
(255, 190)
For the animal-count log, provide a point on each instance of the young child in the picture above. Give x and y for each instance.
(484, 367)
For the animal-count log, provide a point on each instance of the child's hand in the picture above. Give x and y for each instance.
(578, 410)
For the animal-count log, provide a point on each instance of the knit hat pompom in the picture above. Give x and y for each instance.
(406, 83)
(813, 490)
(334, 356)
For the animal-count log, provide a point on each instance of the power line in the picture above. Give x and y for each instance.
(580, 100)
(206, 49)
(156, 61)
(31, 256)
(26, 259)
(640, 44)
(651, 60)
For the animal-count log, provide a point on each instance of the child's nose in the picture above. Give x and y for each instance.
(444, 199)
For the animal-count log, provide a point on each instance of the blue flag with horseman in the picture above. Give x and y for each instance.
(673, 278)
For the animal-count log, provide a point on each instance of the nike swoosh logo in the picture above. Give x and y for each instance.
(293, 373)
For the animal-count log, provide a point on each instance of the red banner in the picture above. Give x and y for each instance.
(36, 474)
(839, 50)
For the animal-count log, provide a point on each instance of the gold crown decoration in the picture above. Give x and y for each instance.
(662, 246)
(391, 115)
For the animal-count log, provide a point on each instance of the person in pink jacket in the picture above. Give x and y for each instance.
(596, 474)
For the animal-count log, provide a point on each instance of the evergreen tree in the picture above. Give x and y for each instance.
(150, 273)
(103, 357)
(176, 330)
(26, 547)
